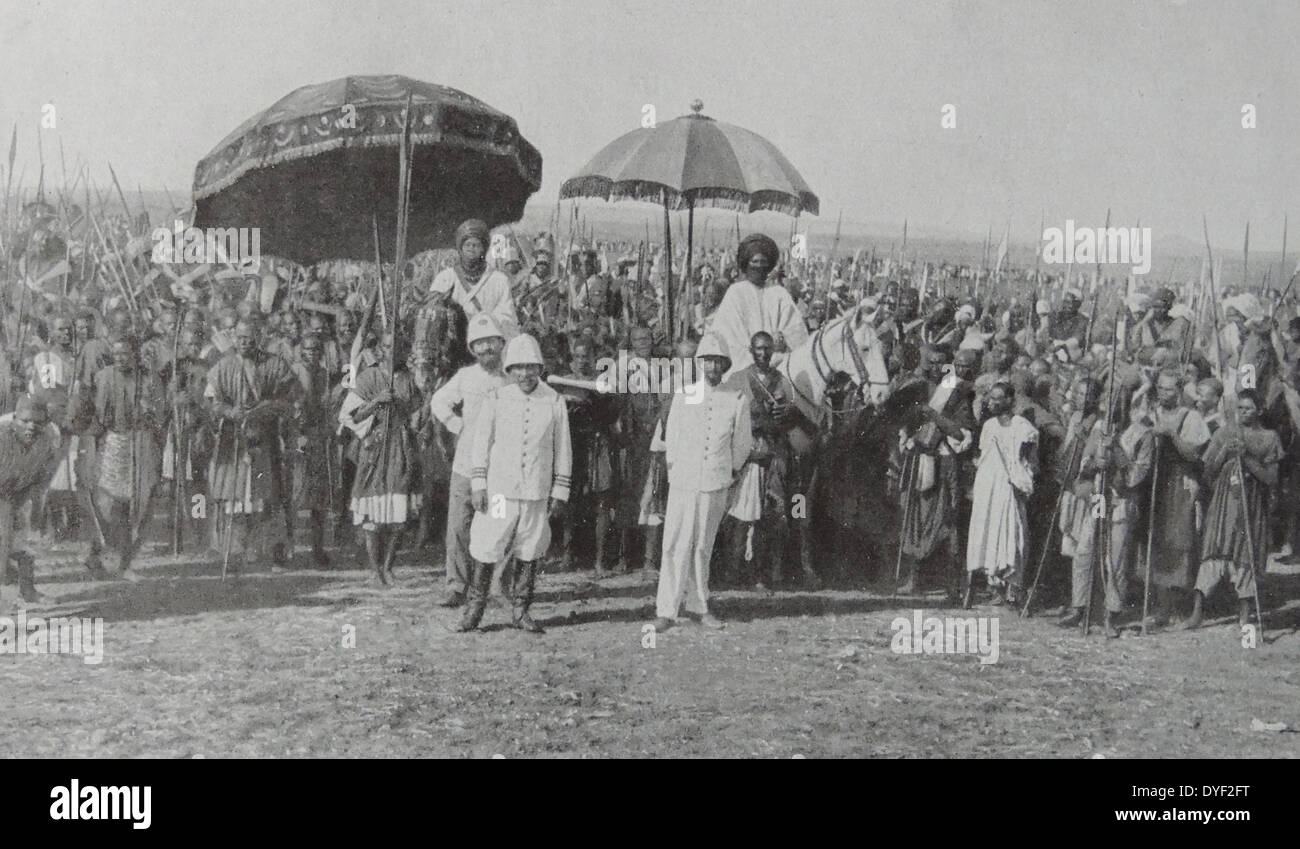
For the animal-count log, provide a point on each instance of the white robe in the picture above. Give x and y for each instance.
(998, 526)
(747, 309)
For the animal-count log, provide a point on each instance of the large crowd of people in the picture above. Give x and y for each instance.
(1142, 450)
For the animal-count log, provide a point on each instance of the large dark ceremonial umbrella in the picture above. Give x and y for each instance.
(694, 161)
(319, 169)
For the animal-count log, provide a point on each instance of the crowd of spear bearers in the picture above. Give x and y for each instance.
(1081, 443)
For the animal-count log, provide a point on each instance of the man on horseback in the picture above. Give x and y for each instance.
(752, 304)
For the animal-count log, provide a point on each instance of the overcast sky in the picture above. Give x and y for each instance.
(1062, 107)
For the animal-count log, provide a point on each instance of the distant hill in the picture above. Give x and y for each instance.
(628, 222)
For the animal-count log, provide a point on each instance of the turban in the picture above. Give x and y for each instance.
(1138, 302)
(757, 243)
(1247, 305)
(472, 228)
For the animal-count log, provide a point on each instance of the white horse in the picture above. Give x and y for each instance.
(846, 344)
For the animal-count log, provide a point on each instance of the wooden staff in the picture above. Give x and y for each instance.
(1250, 538)
(1151, 531)
(230, 517)
(669, 327)
(178, 434)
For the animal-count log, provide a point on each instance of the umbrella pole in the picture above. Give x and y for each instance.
(687, 283)
(668, 271)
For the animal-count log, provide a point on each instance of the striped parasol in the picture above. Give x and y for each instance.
(693, 161)
(697, 161)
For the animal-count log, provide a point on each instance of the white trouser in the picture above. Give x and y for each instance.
(510, 526)
(690, 524)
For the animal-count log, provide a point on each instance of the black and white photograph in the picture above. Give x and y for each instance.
(650, 379)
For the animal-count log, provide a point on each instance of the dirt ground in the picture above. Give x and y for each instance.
(197, 667)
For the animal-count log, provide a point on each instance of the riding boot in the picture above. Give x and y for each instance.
(522, 596)
(480, 577)
(1194, 620)
(374, 555)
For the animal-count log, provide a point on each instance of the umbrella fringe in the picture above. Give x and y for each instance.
(718, 198)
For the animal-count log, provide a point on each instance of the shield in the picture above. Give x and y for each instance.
(317, 171)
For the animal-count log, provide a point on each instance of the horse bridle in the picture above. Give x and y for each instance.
(824, 366)
(824, 371)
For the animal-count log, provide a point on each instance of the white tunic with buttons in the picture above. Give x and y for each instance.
(521, 445)
(709, 440)
(469, 388)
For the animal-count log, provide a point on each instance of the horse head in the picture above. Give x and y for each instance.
(873, 376)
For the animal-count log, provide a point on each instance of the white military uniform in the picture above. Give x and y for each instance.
(491, 294)
(707, 439)
(521, 456)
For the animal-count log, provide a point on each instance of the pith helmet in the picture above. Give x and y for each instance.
(522, 350)
(713, 345)
(482, 326)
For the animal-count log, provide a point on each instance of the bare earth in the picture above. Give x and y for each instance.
(195, 667)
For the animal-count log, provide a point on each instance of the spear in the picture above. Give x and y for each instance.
(1245, 261)
(1096, 292)
(120, 196)
(1214, 297)
(1281, 266)
(9, 174)
(835, 246)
